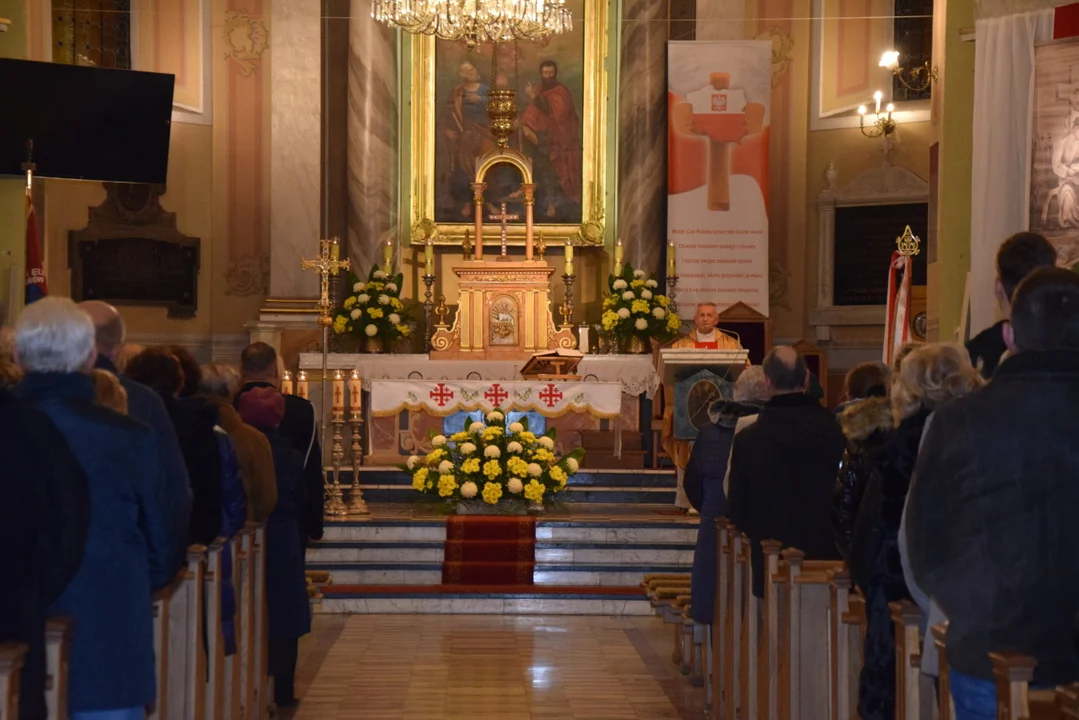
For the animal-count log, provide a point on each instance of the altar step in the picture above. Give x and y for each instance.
(599, 450)
(521, 600)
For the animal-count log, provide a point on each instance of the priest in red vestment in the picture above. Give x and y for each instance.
(551, 125)
(705, 336)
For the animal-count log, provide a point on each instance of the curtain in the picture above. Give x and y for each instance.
(1003, 110)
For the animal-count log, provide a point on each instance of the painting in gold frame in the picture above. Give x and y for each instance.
(443, 87)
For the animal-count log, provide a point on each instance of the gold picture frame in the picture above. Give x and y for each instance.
(419, 186)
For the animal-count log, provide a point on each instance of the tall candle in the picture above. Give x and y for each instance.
(387, 254)
(338, 393)
(569, 257)
(429, 258)
(878, 95)
(335, 249)
(354, 394)
(301, 384)
(286, 383)
(672, 266)
(618, 257)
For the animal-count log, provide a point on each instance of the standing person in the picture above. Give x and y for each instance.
(286, 586)
(990, 524)
(126, 556)
(258, 369)
(1018, 256)
(552, 129)
(783, 466)
(44, 520)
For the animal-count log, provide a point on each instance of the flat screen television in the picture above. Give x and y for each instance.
(86, 123)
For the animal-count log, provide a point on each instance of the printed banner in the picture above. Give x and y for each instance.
(718, 101)
(36, 285)
(446, 397)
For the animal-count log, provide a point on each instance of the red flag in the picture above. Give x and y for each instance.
(897, 321)
(36, 285)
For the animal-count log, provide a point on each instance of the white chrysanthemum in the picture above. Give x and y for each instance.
(395, 318)
(476, 427)
(355, 314)
(391, 287)
(514, 447)
(383, 299)
(534, 469)
(495, 416)
(438, 441)
(445, 467)
(659, 313)
(620, 285)
(467, 448)
(572, 465)
(516, 427)
(469, 490)
(379, 275)
(359, 286)
(492, 451)
(515, 486)
(651, 283)
(638, 273)
(546, 442)
(628, 295)
(646, 294)
(412, 462)
(371, 330)
(641, 324)
(363, 298)
(623, 313)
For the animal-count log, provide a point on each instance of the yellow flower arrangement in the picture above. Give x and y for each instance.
(491, 433)
(543, 455)
(350, 301)
(492, 492)
(492, 469)
(446, 485)
(534, 491)
(459, 437)
(558, 475)
(435, 455)
(472, 465)
(640, 306)
(637, 284)
(363, 315)
(340, 323)
(517, 466)
(375, 313)
(634, 308)
(419, 480)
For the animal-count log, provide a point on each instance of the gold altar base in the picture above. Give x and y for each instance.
(504, 313)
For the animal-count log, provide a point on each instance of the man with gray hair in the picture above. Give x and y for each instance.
(126, 557)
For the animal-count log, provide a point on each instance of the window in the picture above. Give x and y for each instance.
(913, 28)
(92, 32)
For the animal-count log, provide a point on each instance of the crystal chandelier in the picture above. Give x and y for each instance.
(476, 21)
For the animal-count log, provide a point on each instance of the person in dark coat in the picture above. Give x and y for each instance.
(233, 519)
(286, 587)
(44, 520)
(867, 424)
(144, 405)
(862, 381)
(705, 473)
(259, 369)
(126, 556)
(929, 377)
(783, 467)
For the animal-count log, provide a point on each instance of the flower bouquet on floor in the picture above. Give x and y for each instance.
(635, 312)
(373, 312)
(493, 468)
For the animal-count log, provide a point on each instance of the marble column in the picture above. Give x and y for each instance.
(642, 133)
(295, 152)
(372, 138)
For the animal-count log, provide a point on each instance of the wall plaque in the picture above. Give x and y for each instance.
(131, 253)
(865, 238)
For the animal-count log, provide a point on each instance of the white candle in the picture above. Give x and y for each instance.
(338, 393)
(354, 396)
(286, 383)
(387, 254)
(672, 267)
(878, 96)
(618, 257)
(569, 258)
(301, 384)
(429, 258)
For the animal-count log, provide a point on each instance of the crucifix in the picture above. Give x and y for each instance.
(503, 216)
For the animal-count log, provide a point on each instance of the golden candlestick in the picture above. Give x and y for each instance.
(334, 504)
(356, 504)
(442, 311)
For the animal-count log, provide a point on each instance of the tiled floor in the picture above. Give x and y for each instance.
(398, 667)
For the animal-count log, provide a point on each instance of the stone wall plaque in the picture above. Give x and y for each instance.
(864, 241)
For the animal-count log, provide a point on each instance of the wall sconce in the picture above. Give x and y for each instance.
(882, 124)
(4, 24)
(920, 77)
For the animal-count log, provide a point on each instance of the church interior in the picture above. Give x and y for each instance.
(480, 297)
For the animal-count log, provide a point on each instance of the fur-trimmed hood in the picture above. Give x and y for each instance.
(727, 412)
(865, 417)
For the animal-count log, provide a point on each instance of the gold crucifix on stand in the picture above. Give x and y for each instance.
(503, 216)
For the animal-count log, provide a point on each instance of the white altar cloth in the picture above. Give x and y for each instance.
(636, 373)
(446, 397)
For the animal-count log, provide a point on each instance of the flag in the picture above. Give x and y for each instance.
(36, 285)
(897, 322)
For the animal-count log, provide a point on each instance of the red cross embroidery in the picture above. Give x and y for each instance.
(496, 395)
(550, 395)
(442, 394)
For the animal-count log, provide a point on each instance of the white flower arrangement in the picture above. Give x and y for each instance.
(492, 451)
(651, 283)
(378, 275)
(632, 310)
(358, 287)
(620, 285)
(628, 295)
(438, 440)
(641, 324)
(383, 299)
(638, 273)
(515, 447)
(495, 416)
(370, 330)
(469, 489)
(515, 485)
(391, 287)
(382, 318)
(476, 428)
(467, 448)
(516, 427)
(355, 314)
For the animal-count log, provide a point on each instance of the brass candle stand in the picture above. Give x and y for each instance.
(335, 504)
(356, 504)
(566, 309)
(672, 283)
(428, 305)
(442, 311)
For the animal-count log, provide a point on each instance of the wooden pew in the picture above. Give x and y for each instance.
(773, 650)
(809, 598)
(260, 635)
(215, 638)
(846, 639)
(185, 658)
(12, 656)
(718, 689)
(1016, 700)
(749, 614)
(945, 707)
(237, 685)
(57, 646)
(1067, 697)
(914, 694)
(733, 661)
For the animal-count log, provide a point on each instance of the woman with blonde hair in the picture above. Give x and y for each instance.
(928, 377)
(108, 391)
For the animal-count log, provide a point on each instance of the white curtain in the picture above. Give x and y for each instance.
(1003, 110)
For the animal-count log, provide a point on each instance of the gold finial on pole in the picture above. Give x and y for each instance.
(908, 243)
(326, 265)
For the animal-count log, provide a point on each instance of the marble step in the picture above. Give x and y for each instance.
(575, 495)
(612, 553)
(680, 531)
(419, 573)
(611, 478)
(510, 603)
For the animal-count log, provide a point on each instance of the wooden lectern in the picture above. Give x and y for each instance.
(693, 379)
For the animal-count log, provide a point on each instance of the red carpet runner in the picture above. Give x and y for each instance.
(489, 550)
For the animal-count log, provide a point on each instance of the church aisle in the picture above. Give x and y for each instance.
(429, 667)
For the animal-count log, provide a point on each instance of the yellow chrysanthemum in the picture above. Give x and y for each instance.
(492, 492)
(558, 475)
(534, 491)
(397, 304)
(446, 485)
(491, 433)
(459, 437)
(350, 301)
(543, 455)
(637, 284)
(663, 300)
(419, 480)
(434, 456)
(405, 330)
(527, 436)
(609, 320)
(492, 469)
(471, 466)
(516, 466)
(340, 324)
(640, 306)
(609, 302)
(673, 322)
(374, 313)
(374, 285)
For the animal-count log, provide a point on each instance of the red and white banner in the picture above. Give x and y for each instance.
(897, 323)
(36, 285)
(446, 397)
(718, 102)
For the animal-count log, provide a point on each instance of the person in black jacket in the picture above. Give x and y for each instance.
(1018, 256)
(259, 368)
(991, 519)
(44, 518)
(783, 467)
(867, 425)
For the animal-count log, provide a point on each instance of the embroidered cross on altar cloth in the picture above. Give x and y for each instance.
(446, 397)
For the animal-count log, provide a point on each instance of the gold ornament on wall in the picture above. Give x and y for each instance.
(782, 45)
(247, 38)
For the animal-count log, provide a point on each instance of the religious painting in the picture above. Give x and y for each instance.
(503, 321)
(692, 398)
(1054, 155)
(560, 126)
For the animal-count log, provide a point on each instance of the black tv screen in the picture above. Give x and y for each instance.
(86, 123)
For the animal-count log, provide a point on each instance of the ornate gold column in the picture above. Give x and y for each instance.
(477, 199)
(530, 204)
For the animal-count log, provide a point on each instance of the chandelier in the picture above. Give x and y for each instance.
(476, 21)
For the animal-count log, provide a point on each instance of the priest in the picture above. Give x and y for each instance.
(704, 336)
